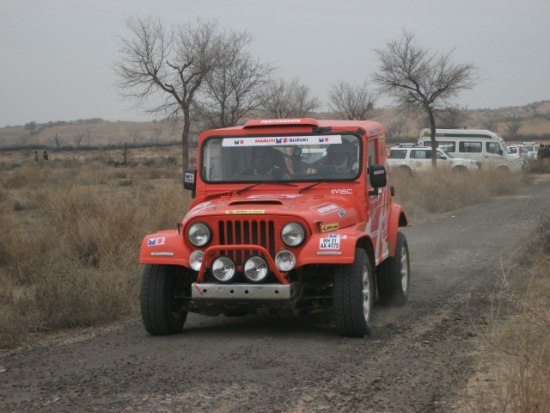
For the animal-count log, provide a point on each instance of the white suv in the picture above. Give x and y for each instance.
(413, 159)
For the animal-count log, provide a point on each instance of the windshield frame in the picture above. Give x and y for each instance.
(283, 181)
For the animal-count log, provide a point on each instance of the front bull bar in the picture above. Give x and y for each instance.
(210, 254)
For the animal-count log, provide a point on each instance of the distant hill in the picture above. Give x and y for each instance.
(531, 121)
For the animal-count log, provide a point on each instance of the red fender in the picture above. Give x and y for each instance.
(164, 247)
(397, 219)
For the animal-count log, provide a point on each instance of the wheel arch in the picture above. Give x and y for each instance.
(397, 219)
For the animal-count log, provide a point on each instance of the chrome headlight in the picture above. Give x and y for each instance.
(199, 234)
(285, 260)
(195, 260)
(223, 269)
(256, 269)
(293, 234)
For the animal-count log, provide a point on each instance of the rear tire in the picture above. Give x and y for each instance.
(164, 293)
(394, 275)
(353, 296)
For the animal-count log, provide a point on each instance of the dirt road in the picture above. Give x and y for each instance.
(417, 360)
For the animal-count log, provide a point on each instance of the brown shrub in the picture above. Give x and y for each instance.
(442, 190)
(72, 260)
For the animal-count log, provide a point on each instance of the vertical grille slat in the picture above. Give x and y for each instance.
(246, 232)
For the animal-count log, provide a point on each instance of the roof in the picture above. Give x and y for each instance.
(371, 127)
(459, 132)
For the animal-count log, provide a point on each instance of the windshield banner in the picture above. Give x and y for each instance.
(283, 140)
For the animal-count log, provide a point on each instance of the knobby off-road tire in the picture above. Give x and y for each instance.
(394, 275)
(164, 289)
(353, 296)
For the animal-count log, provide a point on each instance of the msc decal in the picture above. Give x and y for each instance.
(329, 227)
(343, 191)
(245, 211)
(153, 242)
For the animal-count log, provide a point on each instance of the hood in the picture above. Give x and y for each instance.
(316, 209)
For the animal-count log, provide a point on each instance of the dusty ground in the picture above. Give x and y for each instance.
(418, 359)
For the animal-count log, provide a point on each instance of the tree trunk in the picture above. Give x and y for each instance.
(431, 119)
(185, 138)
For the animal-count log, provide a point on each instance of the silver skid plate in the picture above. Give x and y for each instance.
(252, 292)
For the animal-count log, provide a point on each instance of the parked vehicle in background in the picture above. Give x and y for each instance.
(482, 146)
(530, 150)
(267, 233)
(414, 159)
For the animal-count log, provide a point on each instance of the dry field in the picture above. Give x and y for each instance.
(71, 228)
(514, 369)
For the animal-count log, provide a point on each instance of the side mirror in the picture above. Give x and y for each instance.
(377, 176)
(190, 179)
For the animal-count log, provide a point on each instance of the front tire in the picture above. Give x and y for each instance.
(353, 296)
(394, 275)
(163, 296)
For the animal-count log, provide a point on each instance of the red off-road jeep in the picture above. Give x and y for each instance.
(289, 213)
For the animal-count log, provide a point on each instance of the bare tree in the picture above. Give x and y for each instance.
(78, 139)
(490, 121)
(513, 125)
(282, 99)
(351, 102)
(57, 141)
(233, 88)
(165, 67)
(396, 127)
(451, 117)
(420, 80)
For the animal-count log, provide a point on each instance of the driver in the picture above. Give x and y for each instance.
(264, 164)
(339, 160)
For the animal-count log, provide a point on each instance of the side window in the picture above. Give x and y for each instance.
(470, 147)
(447, 146)
(421, 154)
(371, 153)
(398, 154)
(492, 147)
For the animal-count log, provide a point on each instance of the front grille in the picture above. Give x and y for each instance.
(257, 232)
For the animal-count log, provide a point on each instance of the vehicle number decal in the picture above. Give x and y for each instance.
(330, 242)
(153, 242)
(245, 211)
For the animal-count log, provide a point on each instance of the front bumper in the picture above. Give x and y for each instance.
(210, 292)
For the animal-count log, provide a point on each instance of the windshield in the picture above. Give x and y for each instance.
(281, 158)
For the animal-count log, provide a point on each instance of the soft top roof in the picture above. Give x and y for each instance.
(370, 127)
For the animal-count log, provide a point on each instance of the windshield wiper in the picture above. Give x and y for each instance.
(305, 188)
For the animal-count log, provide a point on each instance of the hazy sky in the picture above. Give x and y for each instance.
(57, 56)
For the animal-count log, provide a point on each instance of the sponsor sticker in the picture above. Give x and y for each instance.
(162, 254)
(202, 206)
(282, 140)
(189, 177)
(341, 212)
(153, 242)
(245, 211)
(329, 252)
(324, 209)
(330, 242)
(329, 227)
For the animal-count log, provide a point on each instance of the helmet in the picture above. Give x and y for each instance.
(339, 157)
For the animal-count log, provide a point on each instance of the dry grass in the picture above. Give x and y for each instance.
(516, 346)
(69, 241)
(442, 190)
(539, 167)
